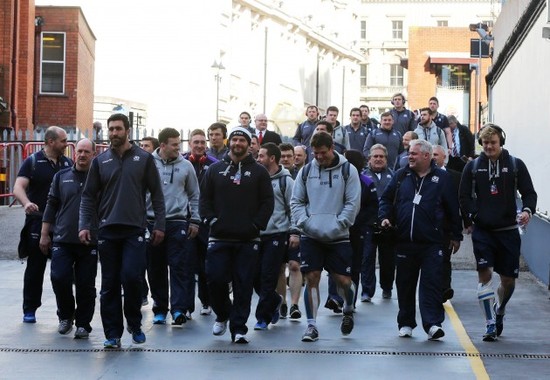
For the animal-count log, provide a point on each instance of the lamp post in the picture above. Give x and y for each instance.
(217, 67)
(484, 36)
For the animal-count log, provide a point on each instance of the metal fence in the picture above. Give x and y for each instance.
(15, 147)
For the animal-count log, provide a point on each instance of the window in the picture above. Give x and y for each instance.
(397, 29)
(52, 63)
(396, 75)
(363, 74)
(363, 30)
(442, 23)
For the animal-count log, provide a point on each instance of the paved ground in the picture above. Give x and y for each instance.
(373, 350)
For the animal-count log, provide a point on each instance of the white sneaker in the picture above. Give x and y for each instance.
(206, 310)
(219, 328)
(435, 333)
(405, 332)
(365, 298)
(241, 339)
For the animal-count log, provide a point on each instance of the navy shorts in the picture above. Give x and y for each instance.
(334, 257)
(292, 254)
(497, 249)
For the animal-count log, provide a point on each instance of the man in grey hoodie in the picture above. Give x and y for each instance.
(181, 198)
(273, 239)
(325, 201)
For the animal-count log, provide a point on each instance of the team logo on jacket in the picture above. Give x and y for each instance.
(136, 158)
(435, 179)
(505, 170)
(93, 252)
(247, 174)
(140, 239)
(348, 270)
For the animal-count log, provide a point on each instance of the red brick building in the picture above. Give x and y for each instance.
(439, 65)
(47, 57)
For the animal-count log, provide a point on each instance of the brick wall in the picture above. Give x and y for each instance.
(422, 76)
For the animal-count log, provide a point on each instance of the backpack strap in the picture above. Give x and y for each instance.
(475, 166)
(282, 188)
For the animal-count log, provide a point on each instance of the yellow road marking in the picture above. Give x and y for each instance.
(473, 354)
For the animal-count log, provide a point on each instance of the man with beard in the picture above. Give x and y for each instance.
(115, 189)
(236, 201)
(31, 190)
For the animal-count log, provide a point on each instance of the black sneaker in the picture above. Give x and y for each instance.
(311, 334)
(178, 318)
(499, 321)
(347, 324)
(295, 312)
(490, 333)
(386, 294)
(283, 311)
(333, 305)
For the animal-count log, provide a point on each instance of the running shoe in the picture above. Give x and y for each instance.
(311, 334)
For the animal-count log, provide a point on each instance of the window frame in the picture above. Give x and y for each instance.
(397, 29)
(43, 61)
(397, 79)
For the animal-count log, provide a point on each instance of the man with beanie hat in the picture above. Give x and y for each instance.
(234, 231)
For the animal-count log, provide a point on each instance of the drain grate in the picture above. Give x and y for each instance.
(283, 352)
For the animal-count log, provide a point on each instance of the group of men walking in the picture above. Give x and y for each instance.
(236, 220)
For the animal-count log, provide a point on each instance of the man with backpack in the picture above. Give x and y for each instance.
(429, 131)
(488, 202)
(324, 205)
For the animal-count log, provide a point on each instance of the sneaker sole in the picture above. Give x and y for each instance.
(159, 322)
(81, 336)
(489, 338)
(295, 316)
(309, 339)
(437, 335)
(65, 332)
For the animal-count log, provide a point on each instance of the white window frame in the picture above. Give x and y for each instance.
(43, 61)
(397, 33)
(397, 75)
(363, 29)
(363, 74)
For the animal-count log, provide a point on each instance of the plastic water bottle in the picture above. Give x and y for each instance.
(522, 228)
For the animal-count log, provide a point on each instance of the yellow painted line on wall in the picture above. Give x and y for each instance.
(475, 361)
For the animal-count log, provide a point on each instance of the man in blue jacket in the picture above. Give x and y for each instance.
(72, 261)
(416, 201)
(236, 202)
(115, 189)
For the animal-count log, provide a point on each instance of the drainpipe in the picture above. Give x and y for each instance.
(14, 65)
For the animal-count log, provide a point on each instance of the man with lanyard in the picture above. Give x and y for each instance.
(488, 201)
(31, 190)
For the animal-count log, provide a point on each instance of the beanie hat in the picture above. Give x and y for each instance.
(240, 131)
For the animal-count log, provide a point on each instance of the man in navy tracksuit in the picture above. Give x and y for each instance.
(416, 201)
(236, 201)
(168, 264)
(72, 261)
(115, 189)
(31, 190)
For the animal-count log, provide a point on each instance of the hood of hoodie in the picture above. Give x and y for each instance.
(281, 173)
(157, 156)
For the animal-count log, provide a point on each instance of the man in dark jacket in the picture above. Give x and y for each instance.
(72, 261)
(236, 201)
(416, 201)
(115, 189)
(488, 201)
(462, 148)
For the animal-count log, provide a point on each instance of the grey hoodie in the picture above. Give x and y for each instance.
(180, 188)
(280, 219)
(325, 205)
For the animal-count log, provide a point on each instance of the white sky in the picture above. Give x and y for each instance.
(150, 52)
